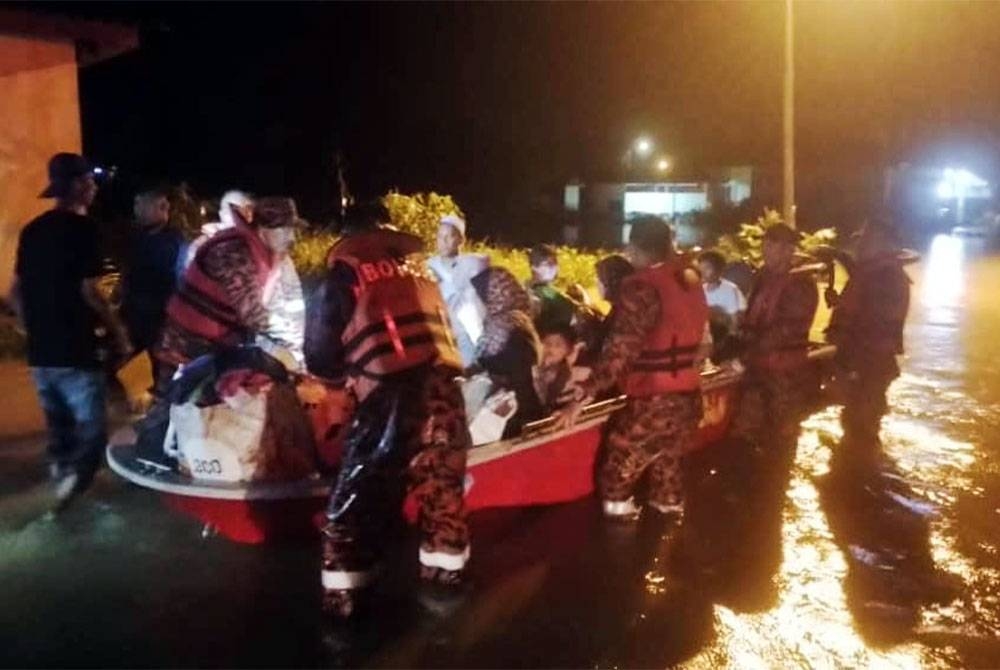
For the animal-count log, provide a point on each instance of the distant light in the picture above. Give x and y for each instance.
(960, 183)
(98, 170)
(643, 146)
(663, 165)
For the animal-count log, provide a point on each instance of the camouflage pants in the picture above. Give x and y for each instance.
(772, 405)
(647, 435)
(408, 436)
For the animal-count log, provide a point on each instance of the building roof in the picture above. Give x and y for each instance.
(95, 40)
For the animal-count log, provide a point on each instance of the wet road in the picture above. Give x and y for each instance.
(801, 560)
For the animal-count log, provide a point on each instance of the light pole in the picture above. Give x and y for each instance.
(788, 201)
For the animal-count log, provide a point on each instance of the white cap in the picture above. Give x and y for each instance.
(238, 198)
(456, 222)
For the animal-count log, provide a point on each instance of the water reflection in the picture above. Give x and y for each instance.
(944, 265)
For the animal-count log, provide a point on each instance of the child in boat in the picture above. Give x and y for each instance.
(557, 376)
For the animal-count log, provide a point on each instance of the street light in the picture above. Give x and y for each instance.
(639, 149)
(663, 165)
(788, 199)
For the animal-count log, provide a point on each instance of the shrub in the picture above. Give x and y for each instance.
(747, 242)
(419, 214)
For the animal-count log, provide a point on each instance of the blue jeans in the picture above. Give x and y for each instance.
(73, 402)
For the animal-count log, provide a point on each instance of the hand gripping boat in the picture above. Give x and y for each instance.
(542, 466)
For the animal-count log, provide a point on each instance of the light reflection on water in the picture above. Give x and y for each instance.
(938, 435)
(944, 264)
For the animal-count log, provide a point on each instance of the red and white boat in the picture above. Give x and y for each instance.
(541, 467)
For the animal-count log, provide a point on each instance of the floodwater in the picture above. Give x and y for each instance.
(798, 560)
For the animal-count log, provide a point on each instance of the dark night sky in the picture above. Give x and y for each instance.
(488, 101)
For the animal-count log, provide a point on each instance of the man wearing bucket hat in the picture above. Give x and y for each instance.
(774, 339)
(222, 298)
(867, 327)
(58, 300)
(454, 272)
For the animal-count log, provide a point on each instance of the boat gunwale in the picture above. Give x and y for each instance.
(318, 486)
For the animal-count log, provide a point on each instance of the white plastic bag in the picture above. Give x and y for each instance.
(475, 390)
(220, 442)
(490, 421)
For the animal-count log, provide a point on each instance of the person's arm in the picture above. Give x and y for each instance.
(90, 268)
(636, 314)
(91, 292)
(331, 309)
(14, 300)
(741, 306)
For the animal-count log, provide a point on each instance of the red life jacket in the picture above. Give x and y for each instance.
(667, 361)
(762, 312)
(400, 319)
(201, 306)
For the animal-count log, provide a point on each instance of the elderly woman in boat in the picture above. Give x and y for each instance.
(509, 347)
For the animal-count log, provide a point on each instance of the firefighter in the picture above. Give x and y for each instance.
(221, 302)
(774, 339)
(652, 353)
(867, 327)
(380, 324)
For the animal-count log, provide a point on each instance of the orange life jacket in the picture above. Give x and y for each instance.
(201, 306)
(667, 361)
(762, 312)
(400, 319)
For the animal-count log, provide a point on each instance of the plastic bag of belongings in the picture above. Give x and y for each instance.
(237, 416)
(488, 410)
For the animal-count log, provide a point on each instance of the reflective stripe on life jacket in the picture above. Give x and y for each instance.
(400, 320)
(201, 306)
(670, 353)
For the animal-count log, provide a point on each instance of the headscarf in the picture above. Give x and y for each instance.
(508, 309)
(611, 270)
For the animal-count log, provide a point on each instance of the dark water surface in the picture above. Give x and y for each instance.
(784, 564)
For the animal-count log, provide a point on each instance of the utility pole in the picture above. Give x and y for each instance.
(788, 204)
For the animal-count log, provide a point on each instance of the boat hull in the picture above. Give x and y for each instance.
(541, 469)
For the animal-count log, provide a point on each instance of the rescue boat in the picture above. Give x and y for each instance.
(543, 466)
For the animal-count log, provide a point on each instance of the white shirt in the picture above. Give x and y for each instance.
(727, 297)
(465, 310)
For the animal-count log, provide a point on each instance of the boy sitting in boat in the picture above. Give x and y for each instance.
(557, 377)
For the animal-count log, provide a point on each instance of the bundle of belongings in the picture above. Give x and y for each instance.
(235, 416)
